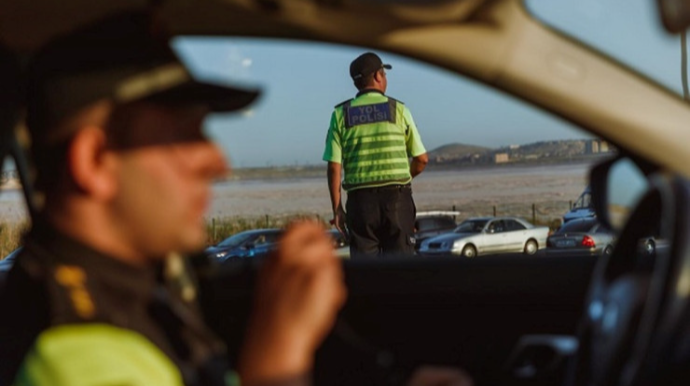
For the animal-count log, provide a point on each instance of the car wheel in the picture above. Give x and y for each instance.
(649, 247)
(229, 260)
(531, 247)
(607, 251)
(469, 251)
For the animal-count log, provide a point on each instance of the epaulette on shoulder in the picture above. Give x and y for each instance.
(397, 100)
(77, 301)
(342, 103)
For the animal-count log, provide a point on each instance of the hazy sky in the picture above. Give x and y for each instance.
(303, 81)
(628, 30)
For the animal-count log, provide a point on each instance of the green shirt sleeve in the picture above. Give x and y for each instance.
(333, 151)
(414, 143)
(96, 355)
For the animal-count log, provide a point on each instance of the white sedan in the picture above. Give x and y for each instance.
(488, 235)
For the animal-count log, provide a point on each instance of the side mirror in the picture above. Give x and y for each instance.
(617, 186)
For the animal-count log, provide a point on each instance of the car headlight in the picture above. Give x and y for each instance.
(458, 244)
(221, 254)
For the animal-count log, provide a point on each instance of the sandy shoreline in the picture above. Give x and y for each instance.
(512, 189)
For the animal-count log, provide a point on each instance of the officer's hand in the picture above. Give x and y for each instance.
(300, 291)
(439, 376)
(339, 222)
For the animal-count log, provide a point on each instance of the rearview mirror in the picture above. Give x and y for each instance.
(675, 14)
(617, 186)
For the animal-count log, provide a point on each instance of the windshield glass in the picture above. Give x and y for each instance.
(627, 30)
(489, 154)
(235, 240)
(577, 226)
(585, 201)
(471, 226)
(9, 259)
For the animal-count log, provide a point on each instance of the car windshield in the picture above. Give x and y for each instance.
(577, 226)
(627, 30)
(471, 226)
(236, 240)
(585, 201)
(490, 154)
(425, 225)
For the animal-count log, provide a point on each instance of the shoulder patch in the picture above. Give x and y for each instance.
(365, 114)
(341, 103)
(73, 279)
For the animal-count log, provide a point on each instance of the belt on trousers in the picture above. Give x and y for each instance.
(382, 188)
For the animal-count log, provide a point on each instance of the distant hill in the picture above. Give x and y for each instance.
(546, 149)
(456, 152)
(543, 151)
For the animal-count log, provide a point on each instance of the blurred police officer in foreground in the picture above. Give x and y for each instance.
(124, 174)
(372, 138)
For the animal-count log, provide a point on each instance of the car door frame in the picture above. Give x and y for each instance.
(515, 238)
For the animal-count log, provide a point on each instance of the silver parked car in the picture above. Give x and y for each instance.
(488, 235)
(584, 236)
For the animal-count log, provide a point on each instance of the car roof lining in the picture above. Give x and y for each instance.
(26, 25)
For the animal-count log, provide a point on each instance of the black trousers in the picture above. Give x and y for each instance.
(381, 221)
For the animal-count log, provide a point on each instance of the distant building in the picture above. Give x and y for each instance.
(500, 158)
(604, 147)
(514, 147)
(8, 175)
(596, 146)
(592, 147)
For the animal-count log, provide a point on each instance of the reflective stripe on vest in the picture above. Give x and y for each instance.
(374, 147)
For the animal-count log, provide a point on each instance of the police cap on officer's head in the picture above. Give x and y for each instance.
(366, 64)
(123, 58)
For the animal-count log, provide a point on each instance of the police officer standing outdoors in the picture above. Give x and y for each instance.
(371, 138)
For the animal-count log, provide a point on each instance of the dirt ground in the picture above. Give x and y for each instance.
(474, 192)
(511, 189)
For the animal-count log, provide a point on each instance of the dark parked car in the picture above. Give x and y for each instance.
(581, 236)
(431, 224)
(339, 241)
(7, 262)
(582, 208)
(340, 244)
(251, 243)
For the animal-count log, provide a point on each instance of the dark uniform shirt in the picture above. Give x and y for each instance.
(59, 282)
